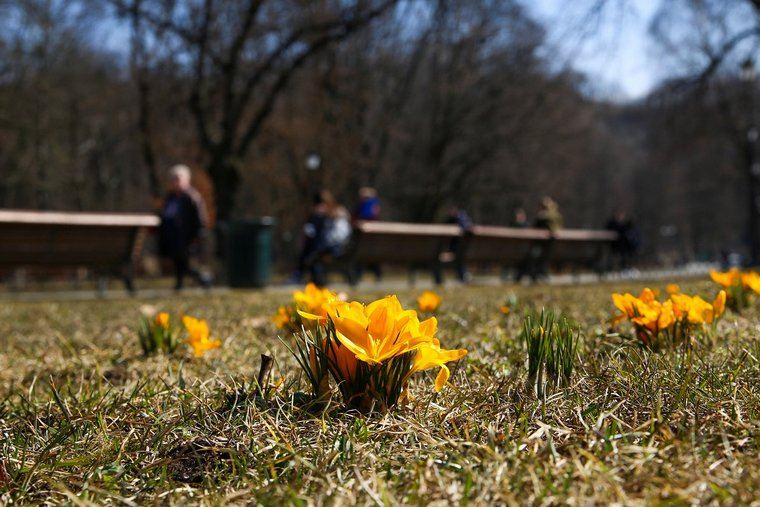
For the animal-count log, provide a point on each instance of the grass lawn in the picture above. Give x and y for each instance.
(85, 418)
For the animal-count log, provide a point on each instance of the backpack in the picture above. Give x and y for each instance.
(338, 232)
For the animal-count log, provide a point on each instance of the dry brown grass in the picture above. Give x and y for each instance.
(84, 418)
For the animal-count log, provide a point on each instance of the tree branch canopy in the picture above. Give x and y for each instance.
(241, 55)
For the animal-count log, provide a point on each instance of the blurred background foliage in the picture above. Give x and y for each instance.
(433, 102)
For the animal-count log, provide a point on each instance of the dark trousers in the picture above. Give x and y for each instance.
(536, 263)
(622, 259)
(373, 268)
(182, 269)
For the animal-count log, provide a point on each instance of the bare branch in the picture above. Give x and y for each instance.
(284, 76)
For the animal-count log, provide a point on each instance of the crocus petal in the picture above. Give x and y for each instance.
(359, 352)
(647, 295)
(429, 327)
(719, 304)
(442, 378)
(310, 316)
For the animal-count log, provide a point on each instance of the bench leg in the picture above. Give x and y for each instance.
(600, 264)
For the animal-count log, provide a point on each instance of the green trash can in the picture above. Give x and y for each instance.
(249, 252)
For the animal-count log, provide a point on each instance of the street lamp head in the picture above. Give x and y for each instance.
(748, 70)
(313, 161)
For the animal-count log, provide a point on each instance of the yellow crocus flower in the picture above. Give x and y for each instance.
(313, 300)
(647, 295)
(428, 301)
(672, 288)
(681, 305)
(198, 336)
(696, 310)
(282, 317)
(719, 304)
(162, 320)
(647, 315)
(378, 331)
(700, 311)
(666, 318)
(626, 303)
(726, 279)
(377, 339)
(751, 280)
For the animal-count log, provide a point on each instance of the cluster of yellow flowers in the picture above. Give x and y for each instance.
(738, 284)
(676, 318)
(160, 335)
(371, 351)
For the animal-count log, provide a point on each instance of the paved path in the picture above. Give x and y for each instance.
(388, 286)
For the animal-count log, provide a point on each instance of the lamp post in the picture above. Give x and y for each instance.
(313, 162)
(752, 166)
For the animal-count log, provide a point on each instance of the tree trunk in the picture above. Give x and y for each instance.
(226, 178)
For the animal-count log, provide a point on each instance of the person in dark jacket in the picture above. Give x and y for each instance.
(624, 248)
(536, 263)
(184, 220)
(460, 217)
(313, 233)
(519, 219)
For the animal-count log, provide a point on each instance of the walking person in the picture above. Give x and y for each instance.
(327, 232)
(460, 217)
(184, 223)
(313, 230)
(627, 243)
(536, 263)
(549, 216)
(519, 219)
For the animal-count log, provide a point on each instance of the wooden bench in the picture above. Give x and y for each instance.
(582, 248)
(566, 248)
(505, 246)
(426, 246)
(418, 246)
(107, 243)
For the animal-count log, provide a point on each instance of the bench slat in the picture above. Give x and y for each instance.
(403, 228)
(66, 218)
(492, 231)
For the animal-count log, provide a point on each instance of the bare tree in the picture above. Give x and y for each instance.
(708, 42)
(240, 56)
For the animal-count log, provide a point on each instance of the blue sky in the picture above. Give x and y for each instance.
(615, 50)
